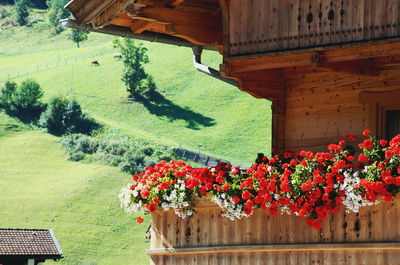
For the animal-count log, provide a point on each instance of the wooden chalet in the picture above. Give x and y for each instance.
(330, 68)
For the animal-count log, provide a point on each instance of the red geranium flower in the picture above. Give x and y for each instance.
(152, 207)
(366, 132)
(145, 193)
(388, 153)
(246, 195)
(362, 158)
(140, 220)
(236, 199)
(367, 143)
(273, 210)
(226, 187)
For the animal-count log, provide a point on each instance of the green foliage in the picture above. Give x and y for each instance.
(3, 13)
(131, 156)
(56, 13)
(78, 36)
(64, 115)
(22, 101)
(78, 201)
(21, 12)
(189, 97)
(28, 95)
(41, 4)
(7, 95)
(133, 162)
(136, 80)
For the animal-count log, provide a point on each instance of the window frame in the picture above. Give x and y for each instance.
(379, 102)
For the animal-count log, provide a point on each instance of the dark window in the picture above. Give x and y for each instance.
(392, 123)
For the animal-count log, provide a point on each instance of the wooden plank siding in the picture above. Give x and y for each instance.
(369, 237)
(321, 107)
(262, 26)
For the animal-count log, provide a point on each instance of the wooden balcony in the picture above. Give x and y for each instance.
(264, 26)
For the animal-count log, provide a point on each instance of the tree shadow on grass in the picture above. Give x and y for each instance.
(158, 105)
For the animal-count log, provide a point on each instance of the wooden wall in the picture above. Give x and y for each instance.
(259, 26)
(323, 106)
(369, 237)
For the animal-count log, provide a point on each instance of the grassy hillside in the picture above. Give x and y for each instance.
(195, 111)
(78, 201)
(40, 188)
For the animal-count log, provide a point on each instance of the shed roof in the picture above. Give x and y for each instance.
(29, 242)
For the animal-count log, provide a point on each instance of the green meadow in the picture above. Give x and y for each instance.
(195, 111)
(41, 188)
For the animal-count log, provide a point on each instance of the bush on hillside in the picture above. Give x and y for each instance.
(133, 162)
(56, 13)
(7, 94)
(64, 116)
(131, 156)
(21, 12)
(22, 101)
(28, 95)
(3, 13)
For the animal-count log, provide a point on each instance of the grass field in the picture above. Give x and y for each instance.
(195, 111)
(40, 188)
(78, 201)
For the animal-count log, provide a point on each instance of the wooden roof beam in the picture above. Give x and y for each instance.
(85, 11)
(110, 12)
(181, 17)
(162, 3)
(262, 84)
(325, 57)
(359, 67)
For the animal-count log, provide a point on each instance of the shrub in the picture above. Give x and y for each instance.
(76, 155)
(133, 162)
(28, 95)
(147, 150)
(7, 94)
(56, 13)
(64, 116)
(22, 101)
(3, 12)
(131, 156)
(21, 10)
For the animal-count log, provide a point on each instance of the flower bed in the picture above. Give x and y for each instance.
(304, 183)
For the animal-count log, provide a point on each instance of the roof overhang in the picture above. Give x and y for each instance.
(198, 22)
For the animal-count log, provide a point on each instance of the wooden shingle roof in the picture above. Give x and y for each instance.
(29, 242)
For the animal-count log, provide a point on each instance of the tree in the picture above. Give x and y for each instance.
(78, 35)
(21, 10)
(7, 95)
(28, 95)
(56, 13)
(22, 101)
(136, 80)
(64, 115)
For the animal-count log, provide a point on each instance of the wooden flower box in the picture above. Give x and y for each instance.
(370, 237)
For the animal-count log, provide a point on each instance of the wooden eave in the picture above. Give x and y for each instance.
(196, 21)
(265, 75)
